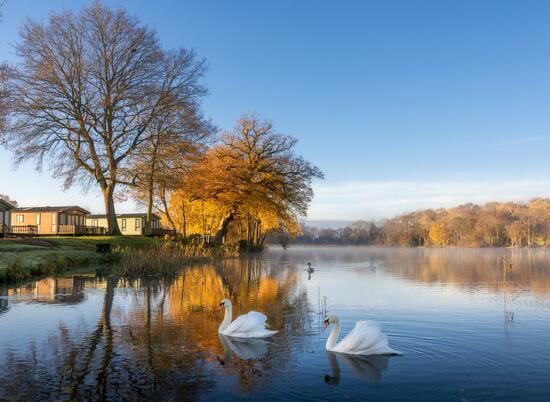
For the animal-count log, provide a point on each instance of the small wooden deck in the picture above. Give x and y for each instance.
(81, 230)
(62, 230)
(22, 230)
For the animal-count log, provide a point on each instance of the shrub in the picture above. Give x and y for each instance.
(15, 271)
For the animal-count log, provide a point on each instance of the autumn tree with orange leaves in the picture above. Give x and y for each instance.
(248, 184)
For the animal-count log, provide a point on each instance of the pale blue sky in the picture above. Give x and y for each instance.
(403, 104)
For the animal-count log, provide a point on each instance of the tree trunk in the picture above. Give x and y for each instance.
(149, 218)
(262, 240)
(167, 211)
(184, 216)
(151, 189)
(223, 228)
(108, 197)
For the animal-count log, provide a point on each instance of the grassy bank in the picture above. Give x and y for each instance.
(131, 257)
(26, 258)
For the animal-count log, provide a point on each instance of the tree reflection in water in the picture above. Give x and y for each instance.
(470, 268)
(158, 338)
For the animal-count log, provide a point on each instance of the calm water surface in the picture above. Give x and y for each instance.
(468, 331)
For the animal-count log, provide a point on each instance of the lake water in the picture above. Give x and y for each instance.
(468, 330)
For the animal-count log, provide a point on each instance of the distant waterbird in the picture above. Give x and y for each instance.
(309, 270)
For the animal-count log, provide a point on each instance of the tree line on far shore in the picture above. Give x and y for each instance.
(494, 224)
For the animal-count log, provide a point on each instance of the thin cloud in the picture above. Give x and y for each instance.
(526, 140)
(376, 200)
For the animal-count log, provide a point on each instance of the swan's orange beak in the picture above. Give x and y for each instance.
(222, 305)
(325, 325)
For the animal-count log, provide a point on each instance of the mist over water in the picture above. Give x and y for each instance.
(469, 329)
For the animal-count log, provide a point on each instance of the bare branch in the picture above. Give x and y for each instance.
(88, 92)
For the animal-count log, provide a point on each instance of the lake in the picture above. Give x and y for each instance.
(469, 329)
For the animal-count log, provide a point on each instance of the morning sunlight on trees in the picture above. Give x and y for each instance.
(175, 250)
(494, 224)
(249, 183)
(93, 89)
(96, 96)
(469, 225)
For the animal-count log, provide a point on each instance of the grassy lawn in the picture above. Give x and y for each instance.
(89, 242)
(32, 252)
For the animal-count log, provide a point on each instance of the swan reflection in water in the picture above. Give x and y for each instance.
(367, 368)
(244, 348)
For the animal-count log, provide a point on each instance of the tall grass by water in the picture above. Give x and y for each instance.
(166, 258)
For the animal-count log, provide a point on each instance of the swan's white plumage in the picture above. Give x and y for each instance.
(366, 338)
(250, 325)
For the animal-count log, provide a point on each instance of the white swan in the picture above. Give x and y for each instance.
(251, 325)
(365, 339)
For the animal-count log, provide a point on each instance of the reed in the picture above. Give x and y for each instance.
(166, 258)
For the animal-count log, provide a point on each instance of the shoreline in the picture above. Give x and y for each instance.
(130, 257)
(26, 259)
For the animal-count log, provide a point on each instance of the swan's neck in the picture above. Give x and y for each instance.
(334, 367)
(334, 334)
(226, 319)
(227, 353)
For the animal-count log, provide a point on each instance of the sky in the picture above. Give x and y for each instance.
(402, 104)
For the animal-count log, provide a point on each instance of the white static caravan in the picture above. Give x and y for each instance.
(5, 217)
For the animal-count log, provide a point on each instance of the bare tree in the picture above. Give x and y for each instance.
(160, 164)
(87, 90)
(3, 97)
(2, 2)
